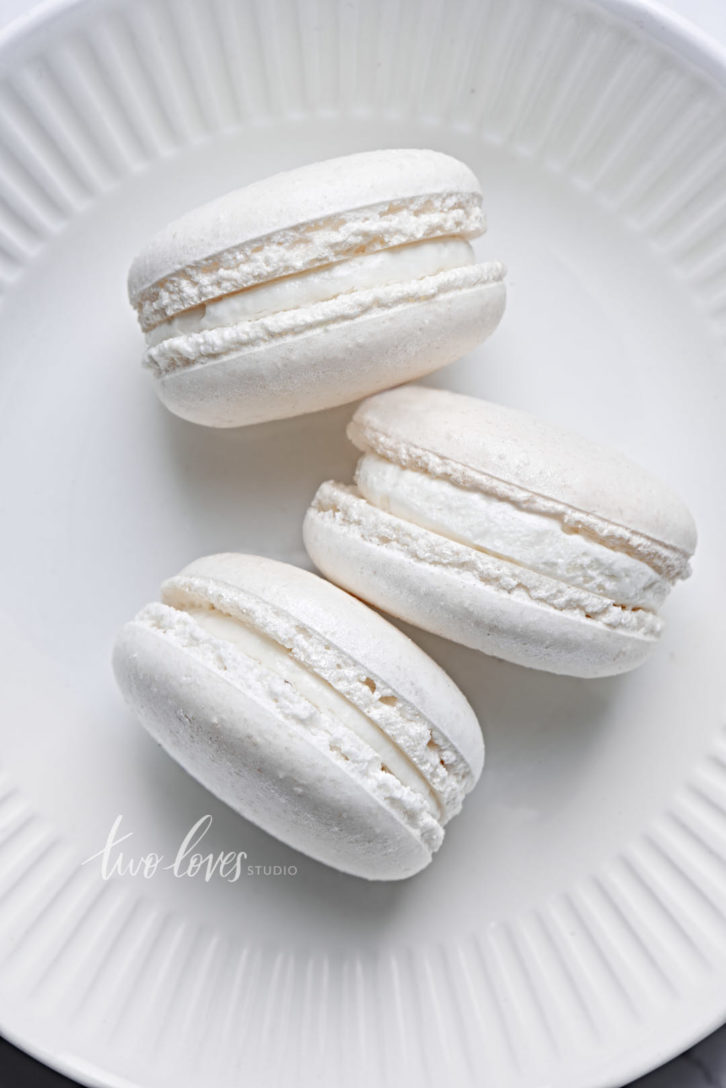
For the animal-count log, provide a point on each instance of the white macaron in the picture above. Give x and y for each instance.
(304, 710)
(316, 287)
(502, 532)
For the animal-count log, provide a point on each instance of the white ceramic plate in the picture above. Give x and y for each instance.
(573, 930)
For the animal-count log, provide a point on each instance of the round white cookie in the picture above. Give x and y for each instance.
(502, 532)
(304, 710)
(316, 287)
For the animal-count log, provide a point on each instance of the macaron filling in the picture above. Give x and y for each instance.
(255, 645)
(341, 523)
(399, 264)
(449, 773)
(540, 542)
(228, 245)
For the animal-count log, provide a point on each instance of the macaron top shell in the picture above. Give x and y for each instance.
(531, 462)
(360, 633)
(265, 227)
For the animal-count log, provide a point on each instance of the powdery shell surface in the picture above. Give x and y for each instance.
(271, 749)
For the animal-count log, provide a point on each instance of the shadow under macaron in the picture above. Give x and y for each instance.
(273, 469)
(528, 718)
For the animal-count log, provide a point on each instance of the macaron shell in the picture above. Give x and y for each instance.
(360, 632)
(295, 374)
(294, 197)
(259, 765)
(530, 453)
(457, 606)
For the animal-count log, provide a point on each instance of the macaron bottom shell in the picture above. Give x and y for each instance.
(263, 765)
(334, 363)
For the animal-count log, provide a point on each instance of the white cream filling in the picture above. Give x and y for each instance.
(268, 653)
(397, 265)
(498, 527)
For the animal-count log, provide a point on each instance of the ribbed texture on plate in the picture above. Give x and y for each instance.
(581, 96)
(566, 977)
(554, 81)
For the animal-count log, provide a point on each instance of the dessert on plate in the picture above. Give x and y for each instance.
(304, 710)
(316, 287)
(502, 532)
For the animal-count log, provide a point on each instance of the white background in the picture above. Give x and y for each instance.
(705, 1065)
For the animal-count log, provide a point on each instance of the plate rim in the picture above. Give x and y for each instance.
(663, 26)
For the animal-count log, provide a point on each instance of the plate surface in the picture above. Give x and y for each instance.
(573, 929)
